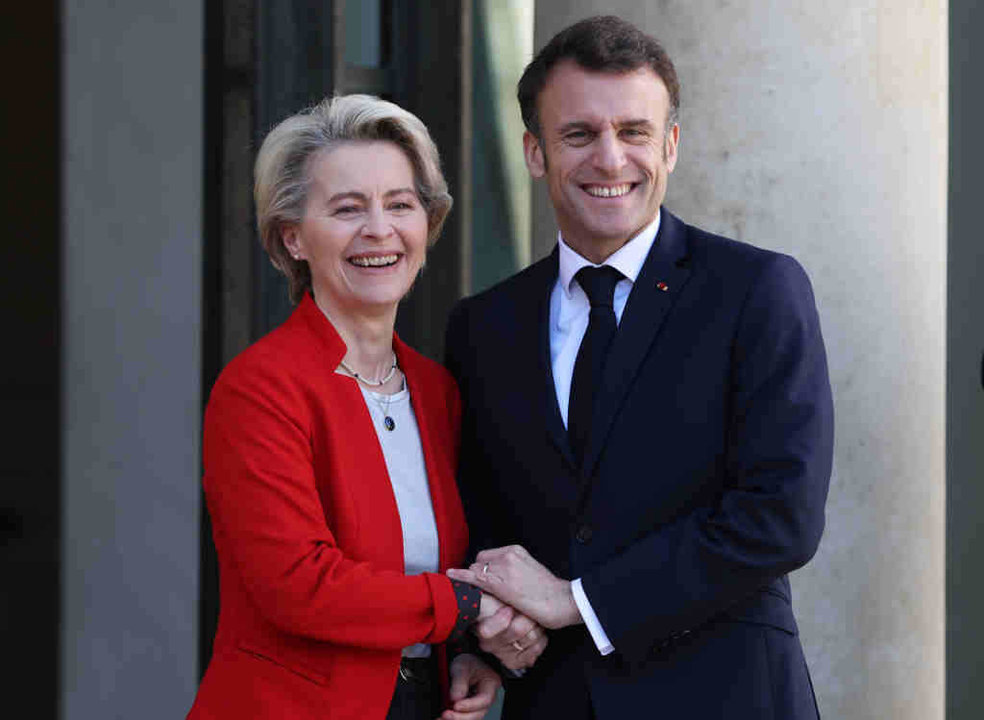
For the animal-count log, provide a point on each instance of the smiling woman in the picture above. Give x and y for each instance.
(330, 447)
(364, 230)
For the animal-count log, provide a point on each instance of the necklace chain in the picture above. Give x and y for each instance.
(388, 422)
(366, 381)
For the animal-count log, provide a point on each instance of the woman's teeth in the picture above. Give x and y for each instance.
(374, 260)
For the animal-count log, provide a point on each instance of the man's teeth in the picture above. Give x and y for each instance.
(608, 190)
(374, 260)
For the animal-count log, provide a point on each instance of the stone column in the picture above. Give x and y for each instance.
(821, 131)
(131, 372)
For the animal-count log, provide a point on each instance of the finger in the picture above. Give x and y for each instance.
(483, 580)
(452, 715)
(490, 554)
(482, 697)
(530, 636)
(488, 606)
(510, 658)
(521, 629)
(517, 630)
(462, 574)
(517, 551)
(459, 685)
(495, 624)
(474, 703)
(529, 656)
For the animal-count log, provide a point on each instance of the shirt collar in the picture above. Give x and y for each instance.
(628, 259)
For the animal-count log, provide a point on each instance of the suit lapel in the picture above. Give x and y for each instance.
(663, 276)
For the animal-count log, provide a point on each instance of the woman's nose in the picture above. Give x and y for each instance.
(377, 224)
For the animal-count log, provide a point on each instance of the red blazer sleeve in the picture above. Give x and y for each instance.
(271, 528)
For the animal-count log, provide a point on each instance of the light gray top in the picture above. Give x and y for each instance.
(408, 475)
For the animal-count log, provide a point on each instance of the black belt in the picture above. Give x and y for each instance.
(417, 670)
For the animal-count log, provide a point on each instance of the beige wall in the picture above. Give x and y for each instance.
(821, 130)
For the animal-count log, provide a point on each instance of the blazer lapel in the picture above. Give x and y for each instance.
(660, 281)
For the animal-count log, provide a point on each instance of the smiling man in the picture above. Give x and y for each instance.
(647, 421)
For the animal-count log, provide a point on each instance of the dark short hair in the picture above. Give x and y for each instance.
(604, 43)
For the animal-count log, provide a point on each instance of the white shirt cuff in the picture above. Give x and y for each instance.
(597, 632)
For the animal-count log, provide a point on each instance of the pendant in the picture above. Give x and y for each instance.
(389, 423)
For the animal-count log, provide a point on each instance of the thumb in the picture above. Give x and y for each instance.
(459, 683)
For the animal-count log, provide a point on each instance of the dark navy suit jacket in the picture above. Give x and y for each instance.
(703, 485)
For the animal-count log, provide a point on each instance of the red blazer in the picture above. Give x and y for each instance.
(314, 603)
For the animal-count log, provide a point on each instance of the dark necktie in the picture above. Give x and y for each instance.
(599, 285)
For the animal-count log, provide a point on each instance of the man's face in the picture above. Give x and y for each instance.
(605, 152)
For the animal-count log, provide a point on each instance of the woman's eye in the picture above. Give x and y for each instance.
(346, 210)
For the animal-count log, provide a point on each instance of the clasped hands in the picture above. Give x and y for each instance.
(520, 597)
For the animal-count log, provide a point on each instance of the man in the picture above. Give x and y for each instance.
(645, 451)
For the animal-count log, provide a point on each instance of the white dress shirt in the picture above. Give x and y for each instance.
(569, 310)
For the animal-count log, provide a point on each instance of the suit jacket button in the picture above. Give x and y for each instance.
(584, 534)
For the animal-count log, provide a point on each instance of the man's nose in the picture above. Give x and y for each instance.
(609, 154)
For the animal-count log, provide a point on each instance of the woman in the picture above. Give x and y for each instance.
(330, 446)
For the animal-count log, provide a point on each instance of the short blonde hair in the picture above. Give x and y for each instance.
(282, 178)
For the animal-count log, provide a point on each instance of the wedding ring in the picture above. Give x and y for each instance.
(519, 648)
(485, 569)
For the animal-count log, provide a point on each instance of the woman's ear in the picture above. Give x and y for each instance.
(292, 241)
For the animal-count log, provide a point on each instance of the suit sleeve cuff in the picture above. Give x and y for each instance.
(591, 620)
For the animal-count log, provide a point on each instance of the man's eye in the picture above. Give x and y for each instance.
(578, 137)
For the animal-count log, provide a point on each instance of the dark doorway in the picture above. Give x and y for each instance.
(30, 501)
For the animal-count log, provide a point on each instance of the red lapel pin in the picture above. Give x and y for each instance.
(662, 286)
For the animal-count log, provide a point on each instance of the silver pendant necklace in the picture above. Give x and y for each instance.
(388, 422)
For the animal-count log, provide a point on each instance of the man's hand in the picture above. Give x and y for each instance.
(473, 686)
(515, 577)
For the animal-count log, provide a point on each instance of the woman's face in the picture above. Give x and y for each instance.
(364, 232)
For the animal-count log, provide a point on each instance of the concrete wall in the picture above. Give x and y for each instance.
(821, 130)
(132, 129)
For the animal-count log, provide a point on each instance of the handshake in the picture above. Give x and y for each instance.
(520, 598)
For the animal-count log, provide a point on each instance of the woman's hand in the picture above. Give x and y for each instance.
(473, 687)
(491, 605)
(515, 640)
(517, 578)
